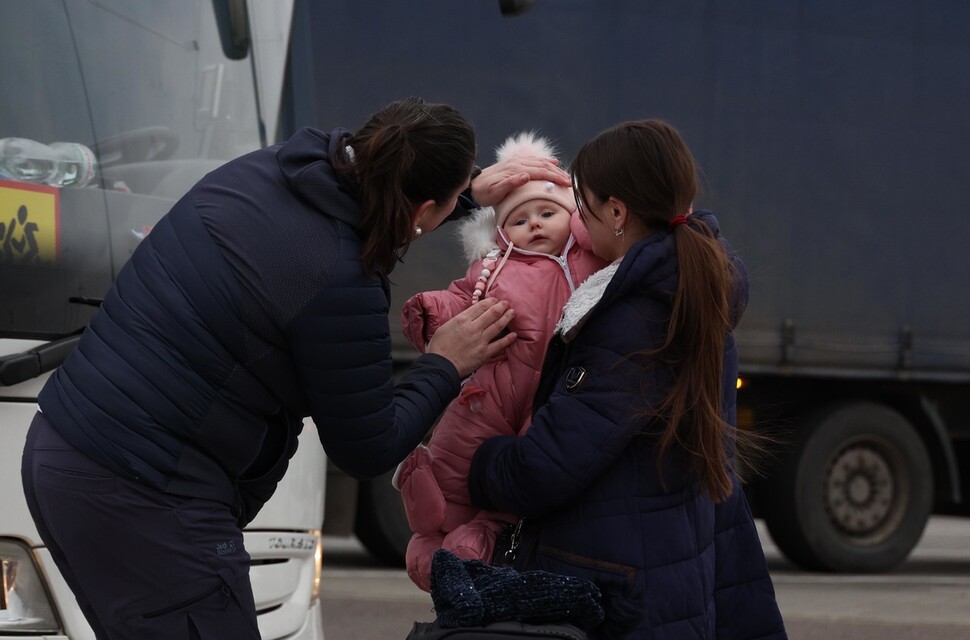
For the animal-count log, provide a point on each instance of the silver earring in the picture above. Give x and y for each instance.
(618, 231)
(417, 231)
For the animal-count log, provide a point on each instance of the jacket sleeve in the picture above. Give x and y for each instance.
(574, 437)
(423, 313)
(341, 348)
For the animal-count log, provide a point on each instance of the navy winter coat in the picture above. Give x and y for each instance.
(585, 475)
(244, 310)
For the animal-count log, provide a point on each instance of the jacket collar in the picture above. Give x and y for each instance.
(306, 162)
(650, 268)
(583, 300)
(650, 265)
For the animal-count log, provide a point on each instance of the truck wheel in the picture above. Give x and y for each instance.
(381, 524)
(854, 493)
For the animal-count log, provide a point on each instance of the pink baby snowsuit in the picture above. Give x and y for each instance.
(496, 399)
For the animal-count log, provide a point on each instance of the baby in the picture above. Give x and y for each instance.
(532, 250)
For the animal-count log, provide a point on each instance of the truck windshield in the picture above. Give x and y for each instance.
(111, 110)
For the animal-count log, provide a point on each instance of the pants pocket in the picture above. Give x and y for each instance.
(75, 480)
(201, 610)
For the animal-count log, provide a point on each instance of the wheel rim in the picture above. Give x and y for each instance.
(866, 490)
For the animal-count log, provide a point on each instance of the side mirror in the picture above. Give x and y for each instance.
(232, 18)
(511, 8)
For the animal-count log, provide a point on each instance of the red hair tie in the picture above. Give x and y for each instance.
(677, 220)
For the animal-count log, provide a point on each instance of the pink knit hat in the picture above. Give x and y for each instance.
(528, 144)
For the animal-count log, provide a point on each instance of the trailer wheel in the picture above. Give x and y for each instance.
(381, 524)
(854, 493)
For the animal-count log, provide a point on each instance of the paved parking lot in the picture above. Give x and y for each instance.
(927, 598)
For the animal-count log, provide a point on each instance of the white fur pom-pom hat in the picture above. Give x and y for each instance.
(529, 144)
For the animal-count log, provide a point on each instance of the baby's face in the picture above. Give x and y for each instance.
(538, 225)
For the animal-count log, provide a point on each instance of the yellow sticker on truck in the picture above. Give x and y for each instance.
(30, 223)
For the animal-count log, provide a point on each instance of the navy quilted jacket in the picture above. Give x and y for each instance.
(245, 310)
(670, 562)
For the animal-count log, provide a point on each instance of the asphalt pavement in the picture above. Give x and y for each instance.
(927, 598)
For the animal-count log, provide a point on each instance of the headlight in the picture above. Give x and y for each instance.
(24, 605)
(317, 567)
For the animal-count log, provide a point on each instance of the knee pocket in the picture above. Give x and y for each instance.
(204, 609)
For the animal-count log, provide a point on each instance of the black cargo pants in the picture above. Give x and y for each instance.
(142, 564)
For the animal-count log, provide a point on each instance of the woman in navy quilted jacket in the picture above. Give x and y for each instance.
(259, 299)
(626, 474)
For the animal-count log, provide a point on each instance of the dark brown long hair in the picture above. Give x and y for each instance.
(409, 152)
(646, 165)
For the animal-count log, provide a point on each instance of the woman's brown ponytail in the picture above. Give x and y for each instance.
(699, 323)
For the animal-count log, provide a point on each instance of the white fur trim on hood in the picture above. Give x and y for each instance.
(477, 233)
(582, 301)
